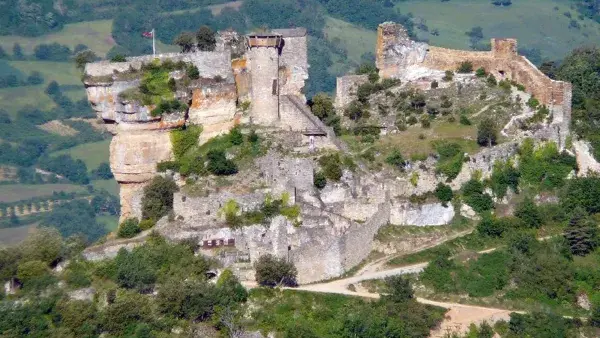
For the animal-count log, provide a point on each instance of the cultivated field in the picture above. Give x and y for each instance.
(91, 153)
(17, 192)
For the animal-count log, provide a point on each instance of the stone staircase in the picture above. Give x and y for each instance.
(319, 126)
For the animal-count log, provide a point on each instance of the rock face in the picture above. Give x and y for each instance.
(421, 215)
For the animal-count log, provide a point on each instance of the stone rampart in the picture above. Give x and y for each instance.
(346, 87)
(210, 64)
(356, 243)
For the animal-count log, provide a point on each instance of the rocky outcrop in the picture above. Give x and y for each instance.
(586, 162)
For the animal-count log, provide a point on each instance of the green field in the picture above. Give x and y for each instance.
(91, 153)
(17, 192)
(109, 185)
(12, 236)
(94, 34)
(65, 73)
(535, 23)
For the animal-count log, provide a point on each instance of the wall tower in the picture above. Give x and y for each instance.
(263, 53)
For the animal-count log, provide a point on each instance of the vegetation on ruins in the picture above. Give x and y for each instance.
(267, 210)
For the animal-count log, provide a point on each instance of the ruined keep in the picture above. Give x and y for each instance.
(397, 55)
(266, 71)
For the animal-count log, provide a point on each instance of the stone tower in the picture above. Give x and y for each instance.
(263, 53)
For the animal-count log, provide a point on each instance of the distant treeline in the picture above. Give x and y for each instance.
(43, 52)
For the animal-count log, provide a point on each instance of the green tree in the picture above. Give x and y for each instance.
(272, 271)
(44, 244)
(18, 52)
(158, 198)
(205, 37)
(397, 290)
(185, 40)
(319, 180)
(487, 133)
(322, 106)
(84, 57)
(79, 316)
(127, 311)
(582, 233)
(528, 212)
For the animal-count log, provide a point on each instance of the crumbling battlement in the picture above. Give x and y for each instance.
(396, 52)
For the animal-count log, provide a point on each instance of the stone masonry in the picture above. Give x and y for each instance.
(268, 72)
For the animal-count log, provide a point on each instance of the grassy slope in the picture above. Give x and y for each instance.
(109, 185)
(534, 23)
(355, 40)
(16, 192)
(94, 34)
(91, 153)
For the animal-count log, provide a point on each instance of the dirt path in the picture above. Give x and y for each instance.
(379, 264)
(481, 110)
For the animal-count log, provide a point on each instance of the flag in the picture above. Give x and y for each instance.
(148, 34)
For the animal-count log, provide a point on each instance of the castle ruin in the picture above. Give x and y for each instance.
(269, 75)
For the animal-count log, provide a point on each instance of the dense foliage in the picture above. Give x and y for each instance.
(158, 198)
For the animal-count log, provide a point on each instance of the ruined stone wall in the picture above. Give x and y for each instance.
(241, 75)
(264, 70)
(210, 64)
(356, 243)
(346, 87)
(293, 63)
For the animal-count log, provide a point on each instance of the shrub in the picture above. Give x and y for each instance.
(434, 84)
(480, 72)
(147, 224)
(505, 84)
(272, 271)
(184, 139)
(450, 159)
(425, 122)
(373, 77)
(464, 120)
(331, 165)
(157, 200)
(446, 104)
(236, 136)
(528, 212)
(412, 120)
(444, 193)
(192, 72)
(489, 226)
(475, 197)
(118, 58)
(167, 165)
(129, 228)
(319, 180)
(465, 67)
(219, 165)
(448, 76)
(395, 159)
(533, 102)
(491, 81)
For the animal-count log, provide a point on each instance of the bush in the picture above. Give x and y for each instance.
(147, 224)
(425, 122)
(444, 193)
(480, 72)
(205, 37)
(464, 120)
(272, 271)
(118, 58)
(129, 228)
(490, 226)
(533, 102)
(192, 72)
(236, 136)
(219, 165)
(434, 84)
(158, 198)
(475, 197)
(319, 180)
(491, 81)
(528, 212)
(332, 166)
(395, 159)
(448, 76)
(465, 67)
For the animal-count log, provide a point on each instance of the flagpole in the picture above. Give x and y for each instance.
(153, 44)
